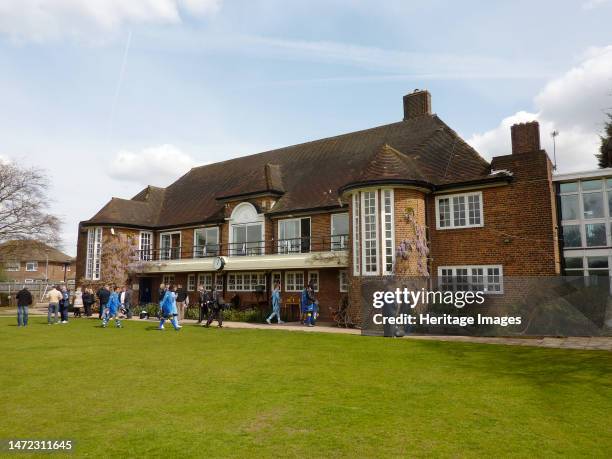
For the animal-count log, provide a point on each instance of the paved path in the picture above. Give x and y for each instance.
(585, 343)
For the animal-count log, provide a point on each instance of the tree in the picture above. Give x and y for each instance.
(604, 157)
(24, 203)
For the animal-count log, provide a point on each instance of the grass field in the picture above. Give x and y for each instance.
(211, 392)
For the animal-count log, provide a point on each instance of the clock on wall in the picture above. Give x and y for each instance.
(218, 263)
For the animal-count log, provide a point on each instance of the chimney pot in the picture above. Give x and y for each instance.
(417, 103)
(525, 137)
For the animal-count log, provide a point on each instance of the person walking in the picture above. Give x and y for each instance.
(88, 300)
(168, 309)
(112, 309)
(103, 297)
(276, 304)
(181, 301)
(77, 303)
(204, 300)
(309, 304)
(217, 309)
(24, 300)
(64, 303)
(160, 294)
(126, 301)
(54, 296)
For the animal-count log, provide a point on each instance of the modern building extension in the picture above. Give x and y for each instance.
(410, 198)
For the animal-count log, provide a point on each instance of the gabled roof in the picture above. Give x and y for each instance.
(308, 175)
(31, 250)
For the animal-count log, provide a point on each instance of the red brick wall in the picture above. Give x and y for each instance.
(55, 272)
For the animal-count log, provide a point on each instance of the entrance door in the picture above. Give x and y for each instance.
(146, 285)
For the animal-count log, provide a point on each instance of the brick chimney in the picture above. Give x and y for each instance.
(525, 138)
(417, 104)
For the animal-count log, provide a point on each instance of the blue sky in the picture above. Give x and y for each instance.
(109, 96)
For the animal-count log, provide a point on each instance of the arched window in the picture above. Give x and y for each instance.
(246, 235)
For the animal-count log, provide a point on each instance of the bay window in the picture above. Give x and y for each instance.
(94, 253)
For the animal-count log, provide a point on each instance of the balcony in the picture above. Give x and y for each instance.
(296, 253)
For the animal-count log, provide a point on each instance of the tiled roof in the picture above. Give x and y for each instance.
(30, 250)
(308, 175)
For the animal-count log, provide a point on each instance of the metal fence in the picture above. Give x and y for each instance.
(8, 290)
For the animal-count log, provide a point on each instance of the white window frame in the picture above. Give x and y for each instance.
(452, 210)
(202, 251)
(470, 275)
(219, 282)
(33, 268)
(146, 253)
(281, 247)
(206, 279)
(343, 280)
(28, 281)
(356, 230)
(12, 266)
(240, 283)
(318, 280)
(291, 286)
(168, 250)
(94, 253)
(245, 214)
(342, 239)
(376, 238)
(168, 279)
(191, 283)
(387, 243)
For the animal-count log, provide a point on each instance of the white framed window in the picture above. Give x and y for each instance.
(356, 232)
(247, 229)
(339, 231)
(94, 253)
(276, 277)
(31, 266)
(294, 281)
(314, 277)
(145, 246)
(205, 279)
(191, 283)
(343, 280)
(28, 281)
(219, 282)
(388, 230)
(294, 235)
(168, 279)
(206, 242)
(245, 282)
(369, 222)
(12, 266)
(170, 245)
(67, 268)
(486, 278)
(463, 210)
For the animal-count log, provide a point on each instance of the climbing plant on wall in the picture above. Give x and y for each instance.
(416, 244)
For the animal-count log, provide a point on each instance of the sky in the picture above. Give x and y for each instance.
(109, 96)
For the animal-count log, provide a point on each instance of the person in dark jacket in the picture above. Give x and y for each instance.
(64, 304)
(125, 299)
(88, 300)
(181, 301)
(204, 301)
(216, 309)
(24, 300)
(103, 297)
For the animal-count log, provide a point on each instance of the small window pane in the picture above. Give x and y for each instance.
(609, 183)
(609, 202)
(599, 272)
(592, 185)
(569, 207)
(597, 262)
(459, 210)
(595, 234)
(573, 262)
(444, 212)
(593, 205)
(571, 236)
(568, 187)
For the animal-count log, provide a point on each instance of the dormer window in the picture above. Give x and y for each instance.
(246, 231)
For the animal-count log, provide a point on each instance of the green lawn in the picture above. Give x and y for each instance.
(211, 392)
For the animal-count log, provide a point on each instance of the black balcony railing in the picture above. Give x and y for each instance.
(250, 248)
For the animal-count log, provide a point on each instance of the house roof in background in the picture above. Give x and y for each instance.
(31, 250)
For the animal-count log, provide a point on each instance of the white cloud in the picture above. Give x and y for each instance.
(573, 104)
(39, 20)
(158, 165)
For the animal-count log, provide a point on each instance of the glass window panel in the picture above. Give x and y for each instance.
(593, 205)
(598, 272)
(609, 183)
(474, 209)
(610, 203)
(595, 234)
(569, 207)
(590, 185)
(444, 212)
(573, 262)
(597, 262)
(568, 187)
(571, 236)
(459, 210)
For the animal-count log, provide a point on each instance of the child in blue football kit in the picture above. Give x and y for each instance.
(169, 309)
(112, 309)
